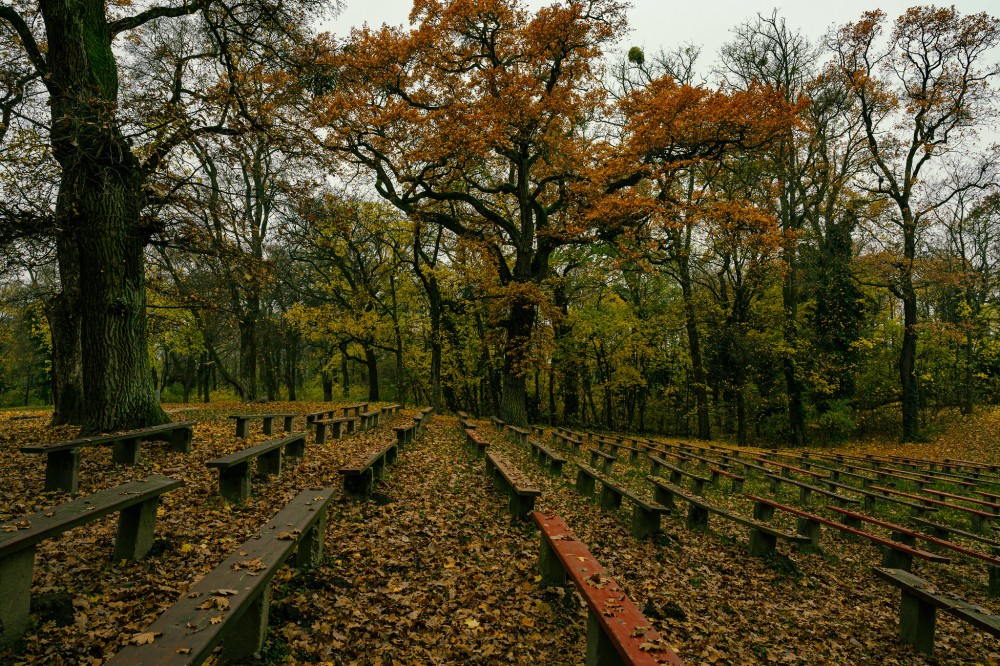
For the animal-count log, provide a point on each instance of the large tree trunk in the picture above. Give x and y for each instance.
(435, 307)
(910, 394)
(327, 382)
(514, 392)
(247, 385)
(371, 363)
(100, 196)
(63, 315)
(345, 373)
(793, 383)
(968, 386)
(694, 350)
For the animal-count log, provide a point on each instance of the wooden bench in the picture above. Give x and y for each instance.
(497, 423)
(617, 633)
(992, 506)
(391, 410)
(62, 467)
(538, 431)
(980, 519)
(426, 414)
(566, 439)
(806, 491)
(519, 434)
(234, 469)
(325, 414)
(360, 476)
(368, 420)
(476, 441)
(896, 553)
(786, 470)
(602, 459)
(910, 537)
(135, 503)
(406, 434)
(763, 537)
(357, 409)
(545, 455)
(971, 464)
(918, 604)
(243, 422)
(522, 495)
(677, 474)
(942, 531)
(645, 515)
(335, 426)
(716, 473)
(230, 603)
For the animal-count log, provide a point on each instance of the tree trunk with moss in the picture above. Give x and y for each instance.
(97, 212)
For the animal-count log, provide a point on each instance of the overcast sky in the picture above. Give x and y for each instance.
(668, 23)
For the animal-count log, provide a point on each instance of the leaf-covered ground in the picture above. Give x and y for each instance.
(433, 570)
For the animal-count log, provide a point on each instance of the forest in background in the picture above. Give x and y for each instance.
(486, 212)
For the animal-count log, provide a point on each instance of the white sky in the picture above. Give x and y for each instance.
(666, 24)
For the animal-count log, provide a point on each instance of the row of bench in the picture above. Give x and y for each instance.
(186, 633)
(617, 632)
(62, 468)
(917, 605)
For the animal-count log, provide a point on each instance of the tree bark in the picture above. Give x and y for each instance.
(100, 196)
(371, 363)
(247, 385)
(694, 350)
(63, 315)
(793, 383)
(327, 382)
(514, 392)
(345, 373)
(910, 395)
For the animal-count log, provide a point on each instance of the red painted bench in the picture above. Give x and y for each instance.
(617, 633)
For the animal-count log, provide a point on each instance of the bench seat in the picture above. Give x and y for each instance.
(477, 442)
(136, 504)
(243, 422)
(602, 459)
(698, 483)
(520, 434)
(369, 420)
(234, 468)
(357, 409)
(406, 434)
(980, 519)
(617, 633)
(645, 514)
(335, 426)
(229, 605)
(918, 606)
(545, 455)
(359, 477)
(763, 537)
(737, 480)
(806, 490)
(509, 480)
(62, 468)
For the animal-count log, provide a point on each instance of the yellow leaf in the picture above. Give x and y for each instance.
(472, 623)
